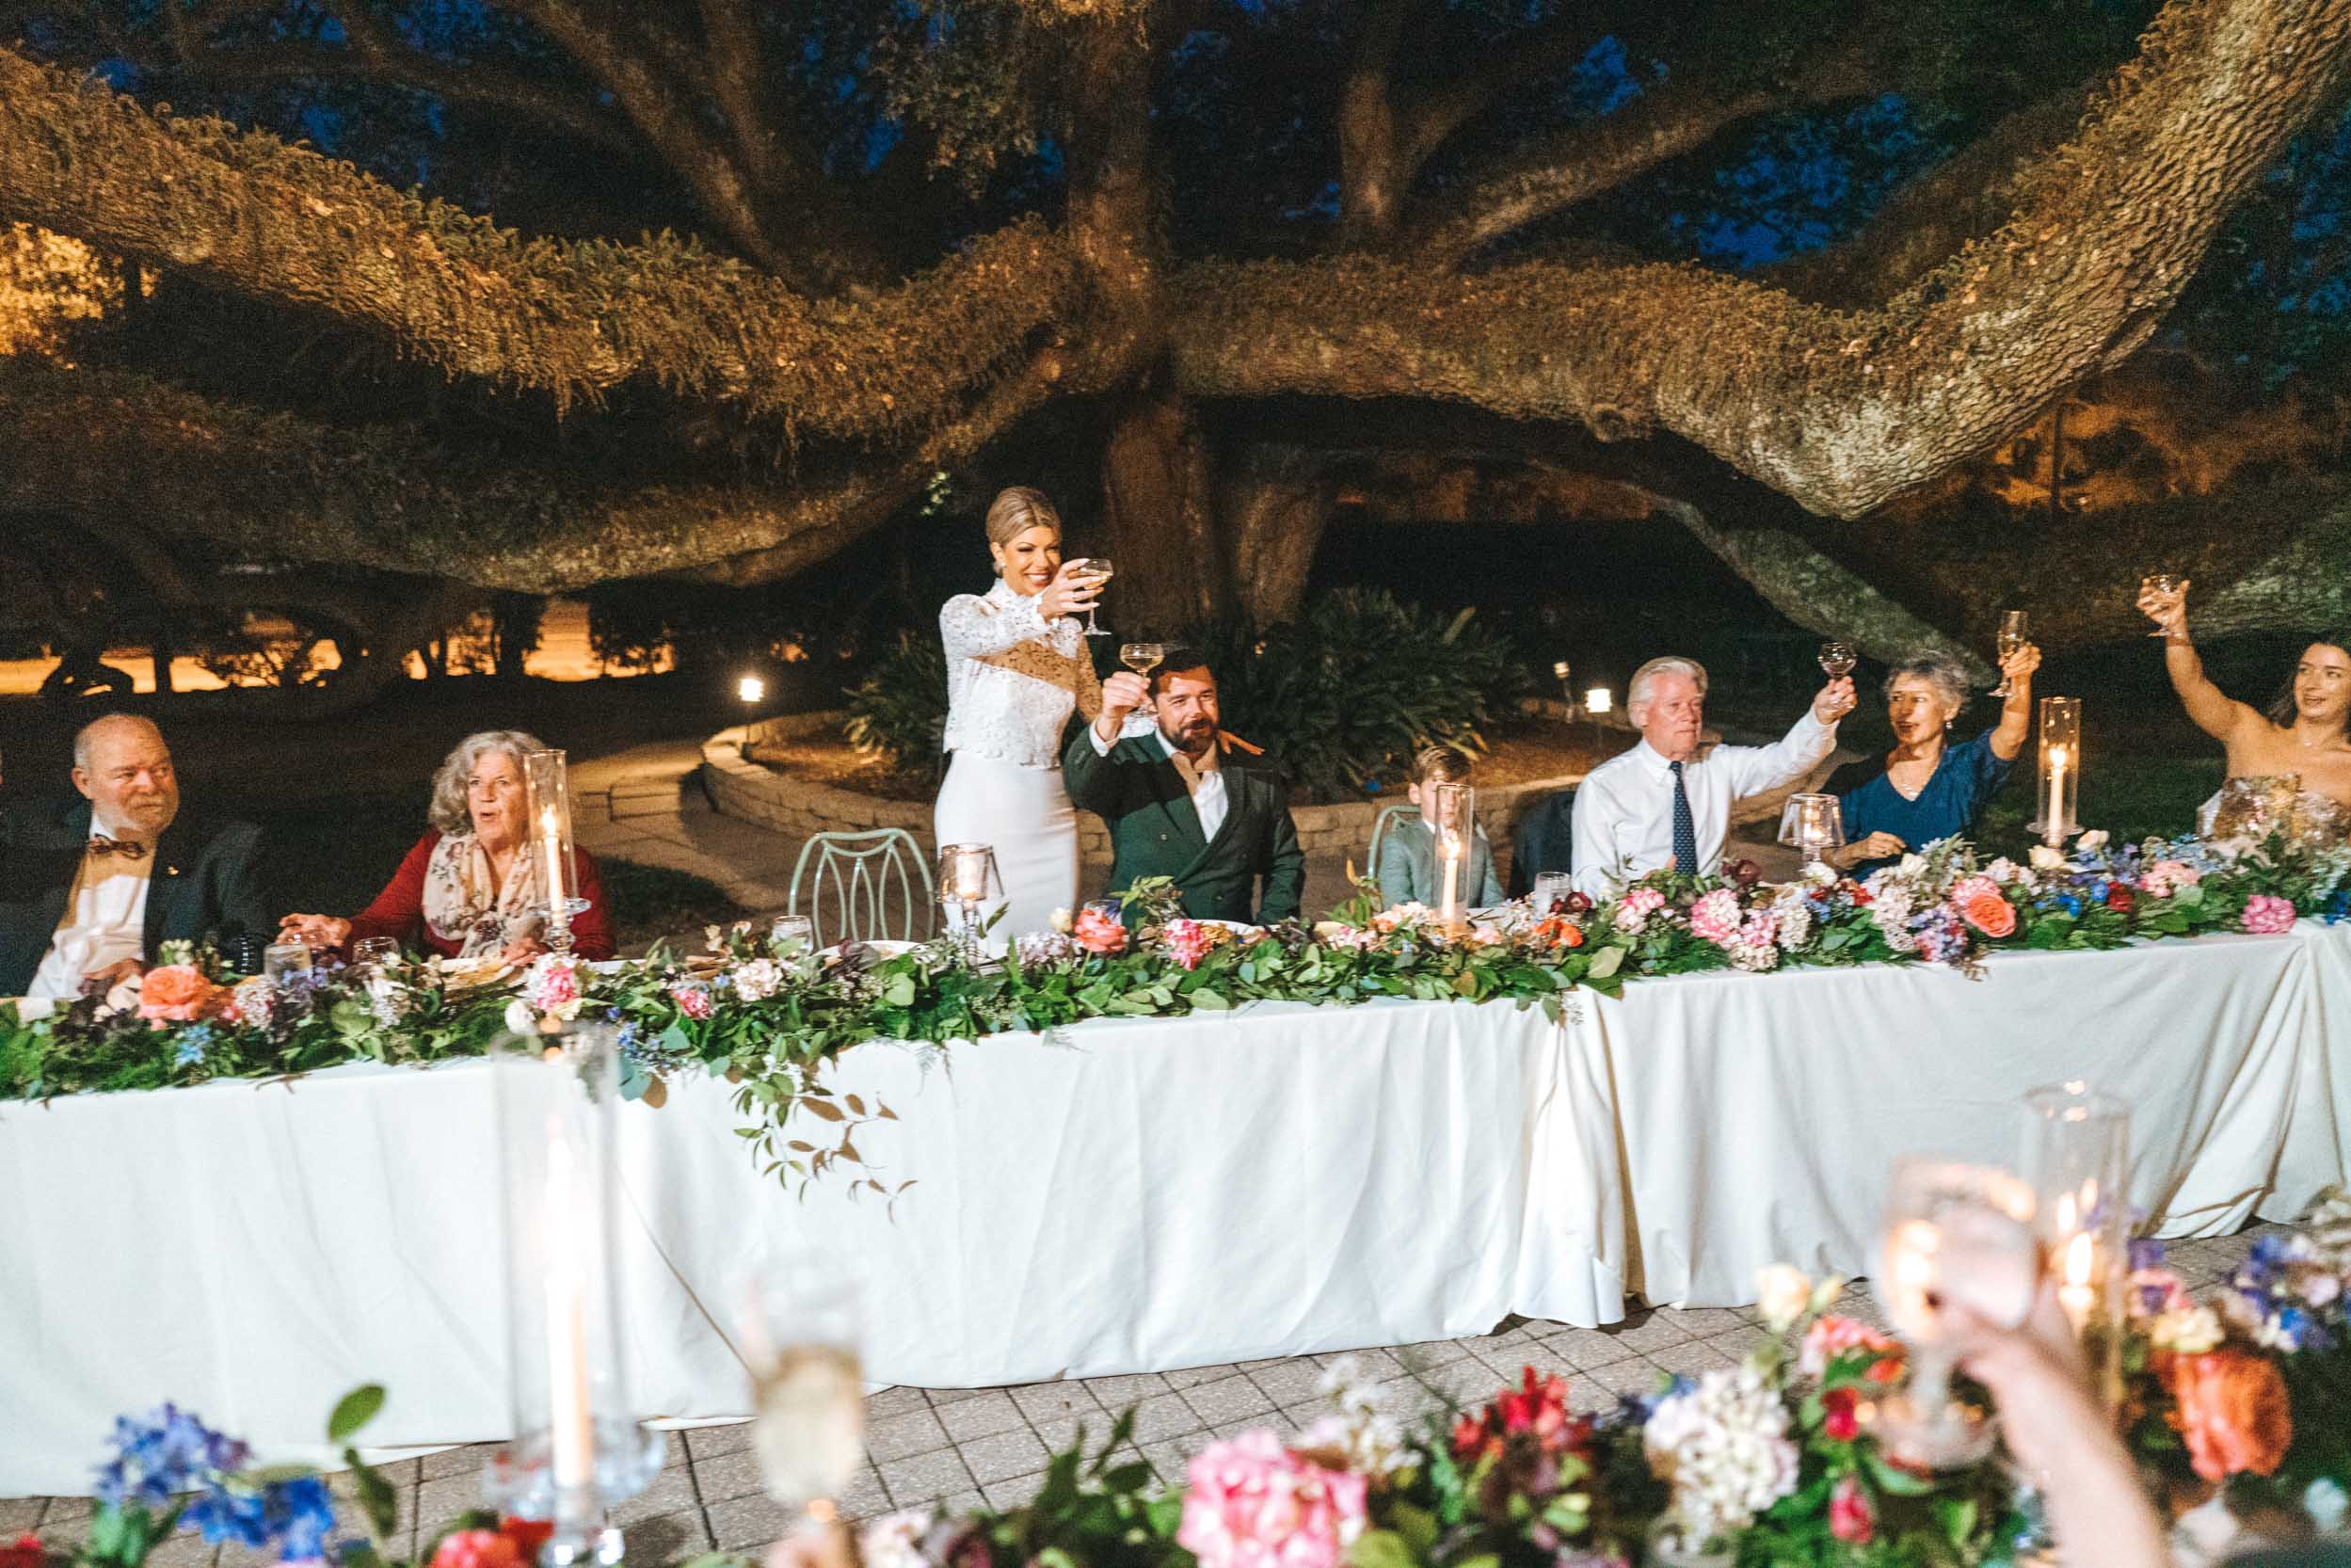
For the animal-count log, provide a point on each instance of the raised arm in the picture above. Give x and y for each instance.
(1755, 770)
(2211, 710)
(2016, 710)
(972, 628)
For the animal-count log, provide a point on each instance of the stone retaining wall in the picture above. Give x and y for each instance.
(741, 787)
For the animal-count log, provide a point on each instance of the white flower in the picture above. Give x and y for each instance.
(1723, 1447)
(520, 1018)
(714, 935)
(1061, 921)
(2047, 859)
(1782, 1292)
(2092, 840)
(2324, 1502)
(1820, 873)
(1911, 865)
(1361, 1434)
(2187, 1330)
(758, 980)
(895, 1539)
(2003, 870)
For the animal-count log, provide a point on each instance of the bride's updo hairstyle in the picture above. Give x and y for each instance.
(1015, 510)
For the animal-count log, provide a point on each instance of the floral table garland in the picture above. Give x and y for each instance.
(2243, 1396)
(768, 1020)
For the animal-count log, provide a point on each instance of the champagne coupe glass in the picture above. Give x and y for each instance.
(1551, 890)
(1142, 658)
(2015, 631)
(1101, 571)
(1954, 1234)
(372, 956)
(800, 1329)
(1838, 658)
(792, 936)
(2166, 583)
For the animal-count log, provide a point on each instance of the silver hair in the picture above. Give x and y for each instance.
(1938, 670)
(86, 736)
(455, 772)
(1637, 695)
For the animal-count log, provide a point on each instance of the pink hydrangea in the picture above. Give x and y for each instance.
(1969, 889)
(552, 985)
(2267, 915)
(1187, 941)
(2167, 877)
(1832, 1335)
(1634, 909)
(1254, 1504)
(1718, 918)
(693, 1000)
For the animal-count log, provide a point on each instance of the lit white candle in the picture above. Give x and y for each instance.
(1453, 903)
(551, 846)
(571, 1416)
(2055, 819)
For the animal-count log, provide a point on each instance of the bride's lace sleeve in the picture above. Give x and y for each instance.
(1089, 687)
(972, 628)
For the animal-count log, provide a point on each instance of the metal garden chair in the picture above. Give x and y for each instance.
(861, 886)
(1382, 825)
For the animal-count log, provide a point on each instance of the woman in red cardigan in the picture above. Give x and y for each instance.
(470, 887)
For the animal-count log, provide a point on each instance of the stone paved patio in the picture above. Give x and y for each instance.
(960, 1446)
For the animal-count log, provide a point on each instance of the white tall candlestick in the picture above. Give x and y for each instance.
(2056, 794)
(571, 1415)
(1453, 905)
(553, 849)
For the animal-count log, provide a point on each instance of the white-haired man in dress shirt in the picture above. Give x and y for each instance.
(1662, 804)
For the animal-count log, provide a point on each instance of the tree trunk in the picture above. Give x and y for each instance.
(1274, 500)
(1159, 514)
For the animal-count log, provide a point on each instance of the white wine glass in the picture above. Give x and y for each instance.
(1100, 570)
(1838, 658)
(1142, 658)
(2164, 585)
(2015, 631)
(1954, 1234)
(800, 1330)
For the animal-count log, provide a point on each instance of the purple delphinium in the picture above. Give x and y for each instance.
(165, 1452)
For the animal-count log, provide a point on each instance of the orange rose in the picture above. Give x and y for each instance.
(1990, 914)
(2231, 1406)
(177, 992)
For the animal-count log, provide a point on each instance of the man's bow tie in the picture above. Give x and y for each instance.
(129, 849)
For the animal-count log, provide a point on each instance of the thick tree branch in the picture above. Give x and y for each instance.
(246, 213)
(1372, 180)
(1838, 411)
(277, 486)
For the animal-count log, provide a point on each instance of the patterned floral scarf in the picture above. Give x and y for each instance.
(460, 906)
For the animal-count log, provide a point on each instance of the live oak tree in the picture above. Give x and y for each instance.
(715, 287)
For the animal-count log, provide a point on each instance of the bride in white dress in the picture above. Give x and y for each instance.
(1016, 666)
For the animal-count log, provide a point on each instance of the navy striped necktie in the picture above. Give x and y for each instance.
(1685, 828)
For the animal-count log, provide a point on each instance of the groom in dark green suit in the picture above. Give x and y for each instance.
(1182, 803)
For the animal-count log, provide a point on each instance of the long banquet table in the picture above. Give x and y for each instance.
(1141, 1194)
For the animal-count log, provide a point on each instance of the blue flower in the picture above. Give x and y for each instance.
(297, 1515)
(192, 1043)
(168, 1452)
(2068, 902)
(2146, 1253)
(2339, 907)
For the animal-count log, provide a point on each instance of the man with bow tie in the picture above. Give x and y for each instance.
(101, 888)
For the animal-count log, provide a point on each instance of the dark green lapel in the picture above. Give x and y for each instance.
(1167, 785)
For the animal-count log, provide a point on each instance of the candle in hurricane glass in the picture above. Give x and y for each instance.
(547, 798)
(2060, 770)
(2077, 1156)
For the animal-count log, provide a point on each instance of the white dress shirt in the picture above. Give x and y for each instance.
(1013, 677)
(1205, 778)
(104, 920)
(1624, 809)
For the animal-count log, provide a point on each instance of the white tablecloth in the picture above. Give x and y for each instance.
(1137, 1195)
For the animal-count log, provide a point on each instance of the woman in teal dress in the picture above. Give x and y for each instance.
(1928, 786)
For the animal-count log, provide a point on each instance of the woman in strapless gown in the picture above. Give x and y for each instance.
(1016, 668)
(2289, 769)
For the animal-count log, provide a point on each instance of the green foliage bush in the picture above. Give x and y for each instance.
(1342, 698)
(897, 712)
(1340, 701)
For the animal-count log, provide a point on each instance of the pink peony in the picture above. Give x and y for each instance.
(554, 985)
(2267, 915)
(693, 1000)
(1832, 1335)
(1187, 941)
(1098, 933)
(2167, 877)
(177, 992)
(1851, 1519)
(476, 1549)
(1254, 1504)
(1717, 917)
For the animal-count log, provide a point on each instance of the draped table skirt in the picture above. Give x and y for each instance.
(1136, 1195)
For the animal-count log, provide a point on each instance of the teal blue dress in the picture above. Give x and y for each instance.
(1968, 775)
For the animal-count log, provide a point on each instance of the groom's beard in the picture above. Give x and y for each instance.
(1195, 738)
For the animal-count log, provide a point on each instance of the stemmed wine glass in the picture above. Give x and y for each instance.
(1954, 1234)
(1142, 658)
(1101, 571)
(2166, 584)
(2015, 631)
(799, 1336)
(1838, 658)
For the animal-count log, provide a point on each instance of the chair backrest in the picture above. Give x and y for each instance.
(861, 886)
(1543, 841)
(1382, 825)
